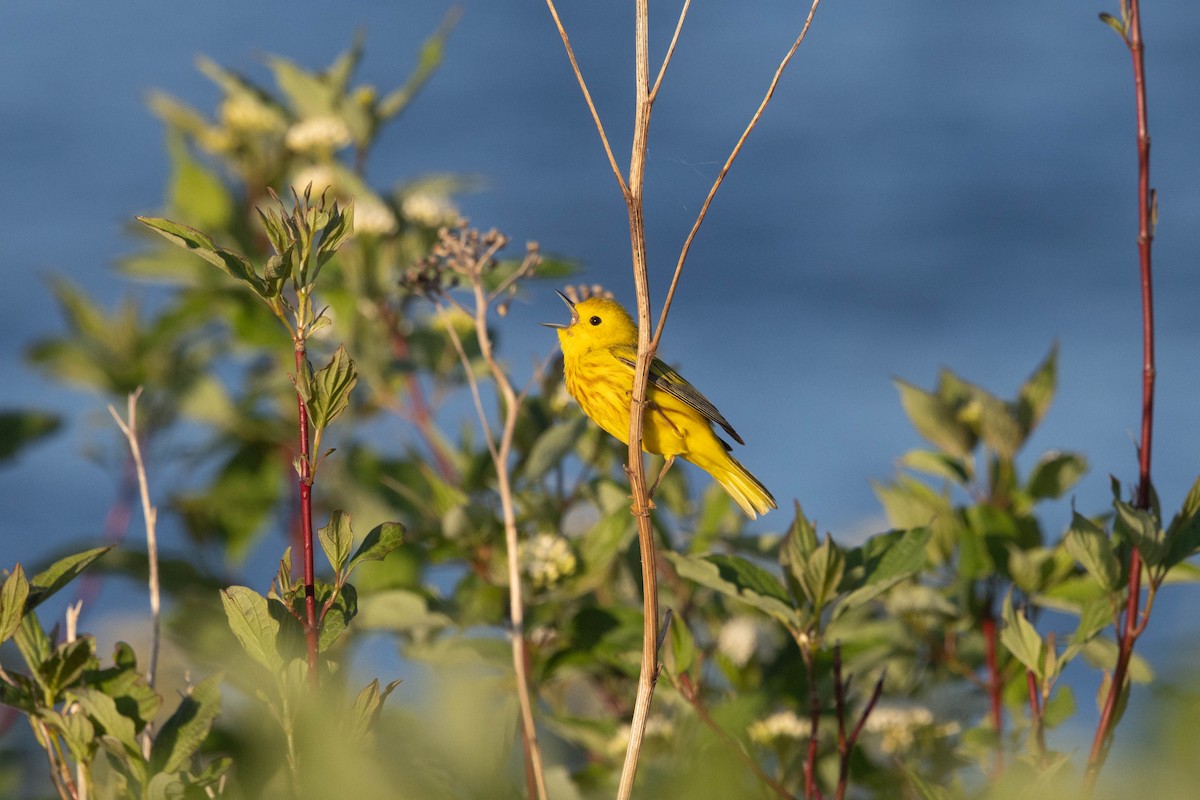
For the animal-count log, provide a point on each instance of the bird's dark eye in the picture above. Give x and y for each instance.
(594, 320)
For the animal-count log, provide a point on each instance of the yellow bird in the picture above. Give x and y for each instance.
(599, 348)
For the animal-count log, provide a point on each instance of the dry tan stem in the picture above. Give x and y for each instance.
(150, 513)
(500, 458)
(737, 148)
(587, 96)
(633, 193)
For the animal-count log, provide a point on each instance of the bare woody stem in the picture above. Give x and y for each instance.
(846, 742)
(1132, 625)
(311, 625)
(500, 453)
(150, 514)
(632, 190)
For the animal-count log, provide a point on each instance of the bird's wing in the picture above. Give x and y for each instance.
(670, 381)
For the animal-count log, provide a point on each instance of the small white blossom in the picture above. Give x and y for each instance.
(898, 725)
(738, 640)
(547, 559)
(318, 134)
(372, 216)
(780, 725)
(319, 176)
(656, 728)
(430, 210)
(245, 113)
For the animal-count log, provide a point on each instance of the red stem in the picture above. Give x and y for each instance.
(1128, 633)
(311, 628)
(995, 688)
(1035, 711)
(810, 762)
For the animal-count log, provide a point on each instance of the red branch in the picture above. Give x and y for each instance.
(1131, 628)
(311, 628)
(994, 684)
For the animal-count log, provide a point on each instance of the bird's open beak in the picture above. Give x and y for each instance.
(574, 313)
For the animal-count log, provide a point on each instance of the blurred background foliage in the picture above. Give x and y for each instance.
(958, 613)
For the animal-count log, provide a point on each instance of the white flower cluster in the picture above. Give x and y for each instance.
(778, 726)
(743, 638)
(318, 135)
(430, 210)
(547, 559)
(317, 175)
(245, 113)
(897, 725)
(656, 728)
(373, 216)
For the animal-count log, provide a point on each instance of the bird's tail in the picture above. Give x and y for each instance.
(744, 488)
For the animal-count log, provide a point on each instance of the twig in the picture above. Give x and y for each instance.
(1133, 625)
(587, 96)
(150, 514)
(846, 742)
(312, 640)
(995, 687)
(500, 454)
(1035, 714)
(737, 148)
(691, 693)
(811, 792)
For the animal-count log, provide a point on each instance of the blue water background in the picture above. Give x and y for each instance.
(935, 184)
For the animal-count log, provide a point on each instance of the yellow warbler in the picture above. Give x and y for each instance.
(599, 353)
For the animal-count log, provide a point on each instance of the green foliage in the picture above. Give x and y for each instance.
(769, 633)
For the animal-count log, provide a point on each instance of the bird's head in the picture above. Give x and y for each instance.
(595, 322)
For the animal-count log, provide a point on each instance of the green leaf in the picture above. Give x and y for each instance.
(428, 61)
(822, 573)
(552, 447)
(256, 630)
(336, 540)
(378, 544)
(1055, 474)
(33, 643)
(683, 648)
(1102, 653)
(937, 464)
(195, 193)
(1037, 393)
(54, 577)
(1021, 638)
(1060, 708)
(21, 428)
(104, 713)
(882, 562)
(1183, 534)
(1115, 24)
(341, 612)
(798, 545)
(12, 602)
(331, 387)
(188, 726)
(998, 424)
(337, 230)
(739, 579)
(192, 239)
(1090, 546)
(64, 667)
(367, 706)
(936, 420)
(1140, 527)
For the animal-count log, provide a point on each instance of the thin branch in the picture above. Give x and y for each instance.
(670, 49)
(691, 693)
(587, 96)
(312, 641)
(737, 148)
(1133, 624)
(150, 514)
(995, 686)
(500, 454)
